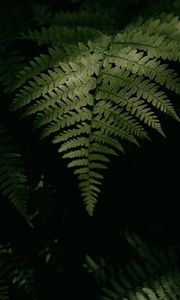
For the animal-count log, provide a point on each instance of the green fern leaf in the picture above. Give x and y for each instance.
(54, 35)
(13, 182)
(91, 96)
(16, 270)
(4, 288)
(152, 276)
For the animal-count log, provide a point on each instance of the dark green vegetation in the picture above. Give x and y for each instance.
(89, 150)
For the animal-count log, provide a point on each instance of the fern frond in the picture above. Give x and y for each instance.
(155, 45)
(154, 274)
(98, 94)
(137, 63)
(3, 291)
(15, 269)
(13, 182)
(165, 24)
(4, 288)
(56, 35)
(141, 87)
(64, 78)
(86, 18)
(166, 288)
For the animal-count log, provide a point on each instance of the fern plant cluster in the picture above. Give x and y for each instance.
(15, 271)
(92, 91)
(89, 86)
(151, 275)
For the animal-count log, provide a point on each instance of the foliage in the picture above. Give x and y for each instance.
(152, 274)
(15, 271)
(98, 90)
(13, 182)
(94, 80)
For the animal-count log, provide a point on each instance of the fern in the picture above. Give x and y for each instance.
(90, 97)
(166, 288)
(153, 275)
(13, 182)
(85, 17)
(3, 292)
(4, 289)
(16, 271)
